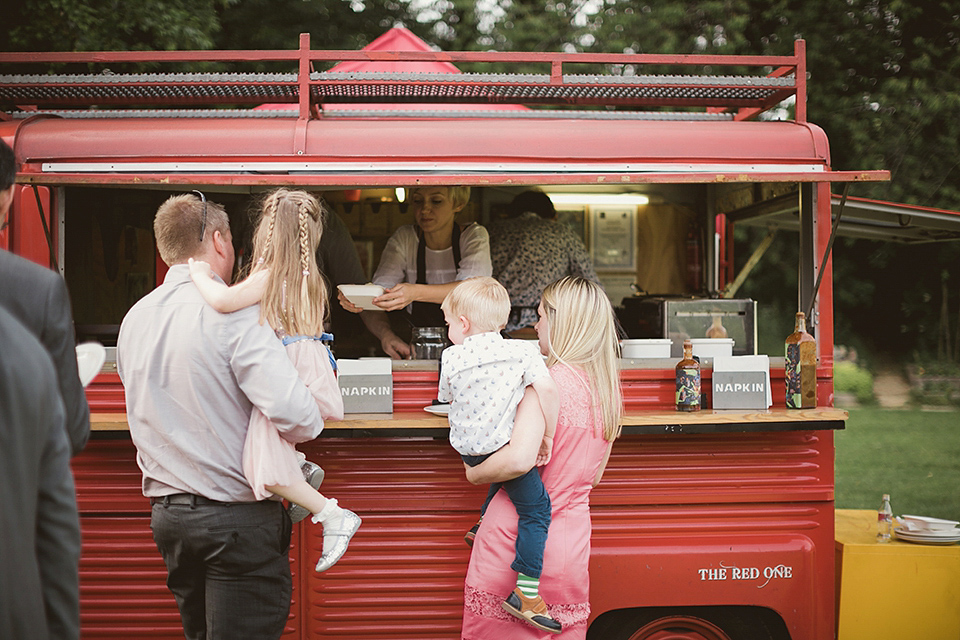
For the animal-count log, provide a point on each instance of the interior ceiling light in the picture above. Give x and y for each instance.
(629, 199)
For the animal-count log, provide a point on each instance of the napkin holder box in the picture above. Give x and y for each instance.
(366, 385)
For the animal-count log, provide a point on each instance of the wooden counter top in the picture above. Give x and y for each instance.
(708, 421)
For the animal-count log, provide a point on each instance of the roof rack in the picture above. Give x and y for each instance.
(745, 96)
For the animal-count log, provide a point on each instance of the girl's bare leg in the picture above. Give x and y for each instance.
(301, 493)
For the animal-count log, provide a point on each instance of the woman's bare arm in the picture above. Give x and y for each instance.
(520, 454)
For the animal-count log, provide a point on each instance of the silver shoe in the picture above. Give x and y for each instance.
(335, 541)
(313, 474)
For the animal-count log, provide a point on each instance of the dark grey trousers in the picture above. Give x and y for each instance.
(227, 566)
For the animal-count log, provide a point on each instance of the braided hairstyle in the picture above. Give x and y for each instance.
(285, 243)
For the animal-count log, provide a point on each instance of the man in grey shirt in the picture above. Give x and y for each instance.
(192, 377)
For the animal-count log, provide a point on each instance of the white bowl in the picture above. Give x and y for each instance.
(361, 295)
(646, 347)
(921, 523)
(90, 358)
(712, 347)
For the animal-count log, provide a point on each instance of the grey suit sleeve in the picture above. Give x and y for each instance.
(58, 534)
(57, 336)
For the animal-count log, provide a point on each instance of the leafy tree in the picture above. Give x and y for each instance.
(883, 82)
(99, 25)
(332, 24)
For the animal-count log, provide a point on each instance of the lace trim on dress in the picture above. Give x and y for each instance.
(487, 605)
(577, 408)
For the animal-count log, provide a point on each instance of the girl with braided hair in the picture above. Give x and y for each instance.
(287, 284)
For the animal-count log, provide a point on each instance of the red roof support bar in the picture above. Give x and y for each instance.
(334, 55)
(303, 78)
(800, 79)
(390, 179)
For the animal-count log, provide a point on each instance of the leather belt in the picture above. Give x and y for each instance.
(187, 499)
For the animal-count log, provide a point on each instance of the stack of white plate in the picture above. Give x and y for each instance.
(924, 530)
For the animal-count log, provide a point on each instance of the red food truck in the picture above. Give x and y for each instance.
(710, 525)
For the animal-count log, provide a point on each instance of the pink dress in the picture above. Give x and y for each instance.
(268, 459)
(578, 452)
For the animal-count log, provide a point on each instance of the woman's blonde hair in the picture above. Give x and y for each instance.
(583, 335)
(459, 195)
(285, 242)
(482, 300)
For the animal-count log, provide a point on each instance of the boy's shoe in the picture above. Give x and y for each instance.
(471, 535)
(313, 474)
(335, 540)
(533, 611)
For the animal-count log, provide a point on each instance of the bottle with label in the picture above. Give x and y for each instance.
(688, 380)
(884, 520)
(800, 367)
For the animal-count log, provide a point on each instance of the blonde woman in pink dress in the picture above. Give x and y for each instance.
(287, 284)
(577, 333)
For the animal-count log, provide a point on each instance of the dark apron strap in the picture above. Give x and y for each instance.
(428, 314)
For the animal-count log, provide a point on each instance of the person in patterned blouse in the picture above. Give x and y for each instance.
(529, 250)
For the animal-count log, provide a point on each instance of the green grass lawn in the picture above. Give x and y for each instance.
(912, 455)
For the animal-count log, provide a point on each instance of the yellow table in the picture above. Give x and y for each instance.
(896, 589)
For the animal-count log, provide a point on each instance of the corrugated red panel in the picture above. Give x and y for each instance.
(403, 575)
(643, 389)
(676, 503)
(123, 592)
(765, 467)
(105, 393)
(413, 390)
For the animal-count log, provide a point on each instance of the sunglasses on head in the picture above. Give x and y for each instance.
(203, 224)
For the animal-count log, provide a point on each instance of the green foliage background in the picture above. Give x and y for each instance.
(883, 82)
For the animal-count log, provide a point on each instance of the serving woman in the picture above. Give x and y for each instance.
(421, 263)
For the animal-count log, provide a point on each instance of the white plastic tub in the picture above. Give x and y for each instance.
(712, 347)
(646, 348)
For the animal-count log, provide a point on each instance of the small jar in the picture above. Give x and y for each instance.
(428, 343)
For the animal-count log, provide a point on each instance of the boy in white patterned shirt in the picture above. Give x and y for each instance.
(483, 376)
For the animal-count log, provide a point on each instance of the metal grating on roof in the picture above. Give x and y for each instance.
(157, 88)
(542, 114)
(338, 87)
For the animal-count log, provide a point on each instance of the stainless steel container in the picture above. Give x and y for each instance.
(682, 318)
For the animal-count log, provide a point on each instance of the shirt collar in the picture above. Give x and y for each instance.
(179, 273)
(487, 336)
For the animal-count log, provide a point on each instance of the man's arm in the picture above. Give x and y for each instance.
(58, 535)
(268, 378)
(57, 335)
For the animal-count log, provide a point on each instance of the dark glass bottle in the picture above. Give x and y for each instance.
(688, 380)
(800, 367)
